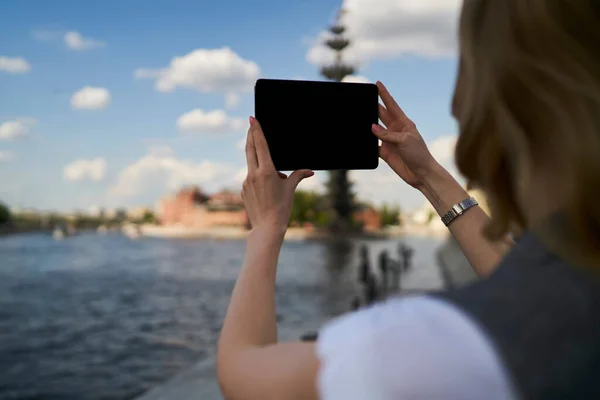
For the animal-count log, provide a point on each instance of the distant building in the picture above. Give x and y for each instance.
(369, 217)
(96, 212)
(137, 213)
(225, 200)
(192, 208)
(72, 216)
(115, 213)
(426, 216)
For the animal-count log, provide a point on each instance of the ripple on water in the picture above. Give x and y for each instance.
(105, 317)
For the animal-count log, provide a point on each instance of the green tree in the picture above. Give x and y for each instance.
(430, 216)
(303, 207)
(5, 215)
(149, 217)
(341, 196)
(390, 215)
(310, 207)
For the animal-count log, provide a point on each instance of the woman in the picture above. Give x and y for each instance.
(528, 106)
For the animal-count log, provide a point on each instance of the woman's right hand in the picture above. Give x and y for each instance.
(402, 148)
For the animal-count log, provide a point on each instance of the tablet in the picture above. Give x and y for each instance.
(318, 125)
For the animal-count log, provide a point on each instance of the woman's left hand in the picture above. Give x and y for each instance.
(267, 194)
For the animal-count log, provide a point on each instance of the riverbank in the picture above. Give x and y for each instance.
(236, 233)
(232, 233)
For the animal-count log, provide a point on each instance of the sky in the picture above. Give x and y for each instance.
(117, 103)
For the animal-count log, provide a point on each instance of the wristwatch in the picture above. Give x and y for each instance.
(458, 209)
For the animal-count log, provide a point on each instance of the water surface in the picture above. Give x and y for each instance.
(106, 317)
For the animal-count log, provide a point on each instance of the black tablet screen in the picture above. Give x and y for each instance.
(318, 125)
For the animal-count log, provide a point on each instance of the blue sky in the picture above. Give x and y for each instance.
(120, 143)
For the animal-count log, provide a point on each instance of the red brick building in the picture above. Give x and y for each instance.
(369, 217)
(192, 208)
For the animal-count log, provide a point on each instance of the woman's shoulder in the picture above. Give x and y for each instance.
(417, 346)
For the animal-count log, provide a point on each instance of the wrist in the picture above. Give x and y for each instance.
(434, 179)
(262, 248)
(268, 233)
(442, 190)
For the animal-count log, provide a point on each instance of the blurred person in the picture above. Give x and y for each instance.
(527, 101)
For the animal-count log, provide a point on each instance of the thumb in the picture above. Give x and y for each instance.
(386, 136)
(297, 176)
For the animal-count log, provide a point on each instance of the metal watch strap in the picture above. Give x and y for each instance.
(458, 210)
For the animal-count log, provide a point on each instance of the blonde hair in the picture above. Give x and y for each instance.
(528, 97)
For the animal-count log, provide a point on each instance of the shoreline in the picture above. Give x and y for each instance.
(233, 233)
(292, 234)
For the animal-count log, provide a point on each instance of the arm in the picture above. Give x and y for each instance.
(405, 151)
(443, 191)
(250, 363)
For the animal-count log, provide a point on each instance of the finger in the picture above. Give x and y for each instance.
(384, 116)
(251, 158)
(390, 104)
(387, 136)
(260, 142)
(297, 176)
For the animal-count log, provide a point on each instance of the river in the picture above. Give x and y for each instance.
(107, 317)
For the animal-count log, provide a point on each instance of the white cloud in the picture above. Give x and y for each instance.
(443, 148)
(232, 100)
(14, 129)
(314, 183)
(215, 121)
(47, 34)
(161, 151)
(90, 98)
(161, 171)
(206, 70)
(5, 156)
(380, 29)
(14, 65)
(384, 186)
(241, 174)
(81, 170)
(75, 41)
(356, 79)
(241, 144)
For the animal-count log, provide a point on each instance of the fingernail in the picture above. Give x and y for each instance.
(308, 174)
(376, 128)
(251, 120)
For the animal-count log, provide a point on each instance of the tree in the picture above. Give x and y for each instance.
(390, 215)
(339, 187)
(5, 215)
(309, 207)
(430, 216)
(148, 217)
(302, 207)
